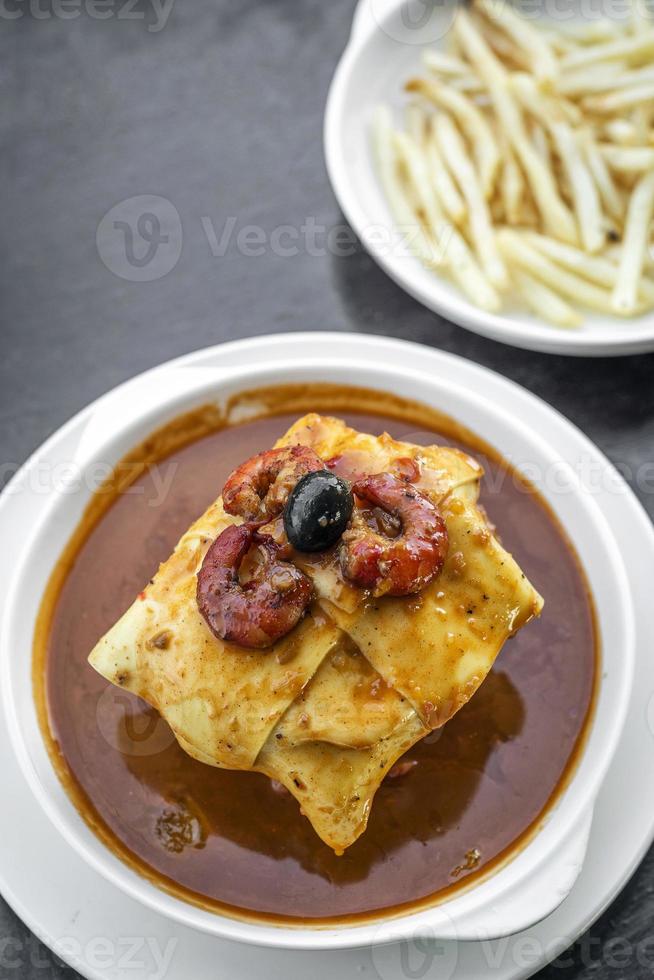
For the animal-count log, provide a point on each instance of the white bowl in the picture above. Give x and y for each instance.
(542, 874)
(384, 50)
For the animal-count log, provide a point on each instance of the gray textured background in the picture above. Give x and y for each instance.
(220, 112)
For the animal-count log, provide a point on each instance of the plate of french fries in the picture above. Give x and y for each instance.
(498, 163)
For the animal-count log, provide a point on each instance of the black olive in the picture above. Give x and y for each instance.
(317, 511)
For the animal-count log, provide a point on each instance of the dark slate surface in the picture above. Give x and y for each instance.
(220, 113)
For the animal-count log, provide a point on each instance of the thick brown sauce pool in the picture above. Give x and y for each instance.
(230, 838)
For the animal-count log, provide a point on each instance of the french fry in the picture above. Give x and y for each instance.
(597, 78)
(642, 118)
(465, 270)
(477, 51)
(512, 187)
(582, 186)
(511, 54)
(554, 212)
(541, 144)
(594, 32)
(535, 47)
(544, 302)
(584, 191)
(597, 269)
(453, 151)
(544, 108)
(622, 132)
(628, 159)
(453, 251)
(472, 123)
(559, 42)
(613, 77)
(414, 165)
(416, 123)
(469, 84)
(626, 98)
(408, 224)
(444, 64)
(608, 192)
(614, 252)
(446, 190)
(631, 49)
(567, 284)
(639, 217)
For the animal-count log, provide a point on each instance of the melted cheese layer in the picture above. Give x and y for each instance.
(329, 708)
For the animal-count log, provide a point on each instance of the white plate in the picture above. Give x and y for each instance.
(64, 901)
(383, 51)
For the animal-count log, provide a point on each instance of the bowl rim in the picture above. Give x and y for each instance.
(306, 937)
(530, 334)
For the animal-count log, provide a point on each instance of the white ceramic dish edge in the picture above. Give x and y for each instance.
(451, 924)
(347, 165)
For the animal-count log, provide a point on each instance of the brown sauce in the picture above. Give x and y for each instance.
(231, 840)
